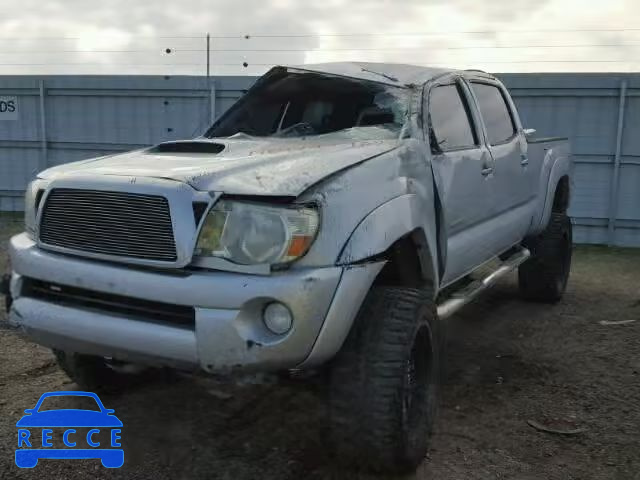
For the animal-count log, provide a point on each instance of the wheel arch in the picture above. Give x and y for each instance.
(394, 245)
(561, 196)
(555, 191)
(403, 233)
(408, 263)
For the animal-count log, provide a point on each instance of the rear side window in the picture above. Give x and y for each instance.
(495, 112)
(450, 119)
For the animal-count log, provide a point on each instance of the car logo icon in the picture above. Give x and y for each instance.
(32, 446)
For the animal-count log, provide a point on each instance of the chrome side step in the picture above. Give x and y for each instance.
(462, 297)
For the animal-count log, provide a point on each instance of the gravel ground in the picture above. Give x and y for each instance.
(509, 362)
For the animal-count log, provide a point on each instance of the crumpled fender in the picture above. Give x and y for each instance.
(388, 223)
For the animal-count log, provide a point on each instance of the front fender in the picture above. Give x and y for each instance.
(381, 228)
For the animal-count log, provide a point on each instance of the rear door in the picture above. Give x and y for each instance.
(513, 193)
(463, 171)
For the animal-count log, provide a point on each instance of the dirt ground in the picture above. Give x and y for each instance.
(509, 362)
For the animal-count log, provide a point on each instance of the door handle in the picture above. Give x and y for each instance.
(524, 160)
(487, 171)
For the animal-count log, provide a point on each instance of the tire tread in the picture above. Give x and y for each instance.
(366, 377)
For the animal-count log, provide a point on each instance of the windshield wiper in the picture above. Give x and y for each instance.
(388, 77)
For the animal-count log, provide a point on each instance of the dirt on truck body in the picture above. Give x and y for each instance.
(331, 221)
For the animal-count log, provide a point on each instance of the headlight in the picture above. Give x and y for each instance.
(251, 233)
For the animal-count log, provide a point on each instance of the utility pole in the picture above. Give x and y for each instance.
(210, 85)
(208, 57)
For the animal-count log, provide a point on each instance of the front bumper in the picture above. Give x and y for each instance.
(228, 333)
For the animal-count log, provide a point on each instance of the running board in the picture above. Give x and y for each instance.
(461, 298)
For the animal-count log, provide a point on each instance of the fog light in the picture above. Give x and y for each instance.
(277, 318)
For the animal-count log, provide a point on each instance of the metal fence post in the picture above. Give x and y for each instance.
(208, 55)
(212, 101)
(615, 177)
(43, 127)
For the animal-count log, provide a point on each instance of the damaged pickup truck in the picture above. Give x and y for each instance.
(331, 220)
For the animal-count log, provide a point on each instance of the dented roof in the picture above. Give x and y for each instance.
(397, 74)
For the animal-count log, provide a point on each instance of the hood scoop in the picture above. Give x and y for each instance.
(188, 146)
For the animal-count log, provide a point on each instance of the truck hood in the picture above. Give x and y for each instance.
(244, 166)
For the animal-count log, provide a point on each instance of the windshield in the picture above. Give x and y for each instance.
(304, 104)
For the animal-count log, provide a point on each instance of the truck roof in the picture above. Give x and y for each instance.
(396, 74)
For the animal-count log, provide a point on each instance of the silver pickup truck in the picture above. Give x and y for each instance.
(331, 220)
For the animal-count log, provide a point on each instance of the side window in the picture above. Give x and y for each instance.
(450, 119)
(495, 112)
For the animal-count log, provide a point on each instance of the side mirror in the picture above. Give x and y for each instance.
(29, 411)
(529, 132)
(109, 411)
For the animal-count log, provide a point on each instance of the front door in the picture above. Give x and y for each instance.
(463, 171)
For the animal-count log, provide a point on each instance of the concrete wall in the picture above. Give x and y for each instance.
(66, 118)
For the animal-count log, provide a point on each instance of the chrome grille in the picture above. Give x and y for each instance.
(109, 223)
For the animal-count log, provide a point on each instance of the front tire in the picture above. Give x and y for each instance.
(543, 278)
(384, 382)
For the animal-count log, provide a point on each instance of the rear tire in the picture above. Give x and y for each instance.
(384, 382)
(543, 278)
(95, 374)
